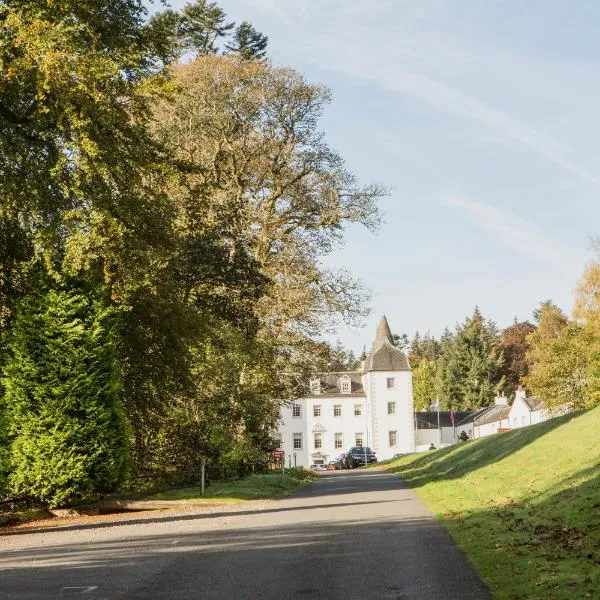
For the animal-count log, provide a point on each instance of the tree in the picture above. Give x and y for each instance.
(248, 133)
(400, 340)
(248, 43)
(202, 25)
(563, 366)
(424, 347)
(424, 391)
(468, 373)
(587, 297)
(513, 347)
(68, 436)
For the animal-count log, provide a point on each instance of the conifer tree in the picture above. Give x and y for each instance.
(68, 438)
(468, 372)
(248, 43)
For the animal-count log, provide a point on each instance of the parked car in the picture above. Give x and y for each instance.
(331, 465)
(360, 455)
(341, 462)
(318, 467)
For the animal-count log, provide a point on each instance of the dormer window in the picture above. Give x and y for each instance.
(315, 386)
(345, 384)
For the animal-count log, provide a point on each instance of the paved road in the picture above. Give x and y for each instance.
(353, 535)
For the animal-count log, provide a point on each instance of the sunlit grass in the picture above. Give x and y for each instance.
(524, 505)
(253, 487)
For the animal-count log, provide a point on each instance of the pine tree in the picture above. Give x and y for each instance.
(468, 372)
(248, 43)
(68, 435)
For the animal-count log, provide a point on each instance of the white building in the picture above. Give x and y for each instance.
(371, 407)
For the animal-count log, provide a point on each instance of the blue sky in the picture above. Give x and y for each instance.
(482, 118)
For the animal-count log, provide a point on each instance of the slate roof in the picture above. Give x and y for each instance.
(533, 403)
(496, 413)
(330, 386)
(384, 356)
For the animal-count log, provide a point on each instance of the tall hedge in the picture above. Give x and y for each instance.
(68, 437)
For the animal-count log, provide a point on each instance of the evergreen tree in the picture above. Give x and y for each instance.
(248, 43)
(468, 373)
(423, 347)
(68, 436)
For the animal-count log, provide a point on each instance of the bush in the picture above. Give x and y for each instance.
(68, 437)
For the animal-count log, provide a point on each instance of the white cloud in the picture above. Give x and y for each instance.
(388, 71)
(518, 234)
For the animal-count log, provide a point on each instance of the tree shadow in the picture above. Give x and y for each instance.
(476, 454)
(393, 558)
(549, 541)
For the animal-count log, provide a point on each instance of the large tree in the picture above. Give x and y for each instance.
(249, 133)
(563, 359)
(468, 369)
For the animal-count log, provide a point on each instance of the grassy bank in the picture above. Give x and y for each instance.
(253, 487)
(524, 505)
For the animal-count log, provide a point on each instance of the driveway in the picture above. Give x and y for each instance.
(352, 535)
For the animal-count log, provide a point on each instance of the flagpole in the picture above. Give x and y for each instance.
(437, 401)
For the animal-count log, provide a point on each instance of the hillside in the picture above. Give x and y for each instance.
(524, 505)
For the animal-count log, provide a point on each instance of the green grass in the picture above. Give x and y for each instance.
(253, 487)
(524, 505)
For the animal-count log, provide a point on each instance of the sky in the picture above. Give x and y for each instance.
(482, 119)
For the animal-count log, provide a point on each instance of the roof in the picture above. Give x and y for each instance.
(384, 356)
(330, 385)
(533, 403)
(496, 413)
(429, 419)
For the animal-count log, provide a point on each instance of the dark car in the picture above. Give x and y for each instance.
(360, 455)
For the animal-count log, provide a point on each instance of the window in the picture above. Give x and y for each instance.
(345, 384)
(393, 435)
(337, 411)
(315, 386)
(358, 439)
(391, 408)
(357, 410)
(297, 441)
(317, 410)
(339, 440)
(391, 383)
(296, 410)
(318, 440)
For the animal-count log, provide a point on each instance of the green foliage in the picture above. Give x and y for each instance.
(523, 502)
(424, 391)
(468, 369)
(68, 437)
(248, 43)
(563, 359)
(423, 347)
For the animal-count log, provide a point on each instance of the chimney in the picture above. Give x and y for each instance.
(520, 393)
(501, 400)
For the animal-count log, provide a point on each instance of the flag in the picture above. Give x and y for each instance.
(435, 405)
(452, 417)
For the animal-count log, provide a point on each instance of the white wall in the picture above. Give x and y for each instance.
(380, 422)
(348, 424)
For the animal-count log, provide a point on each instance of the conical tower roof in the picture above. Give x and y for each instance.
(384, 356)
(383, 333)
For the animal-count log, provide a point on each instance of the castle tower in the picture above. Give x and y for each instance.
(387, 380)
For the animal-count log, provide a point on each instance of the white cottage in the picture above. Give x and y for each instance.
(371, 407)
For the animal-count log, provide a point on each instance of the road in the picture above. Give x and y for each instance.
(352, 535)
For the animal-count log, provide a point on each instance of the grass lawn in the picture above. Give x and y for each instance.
(253, 487)
(524, 505)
